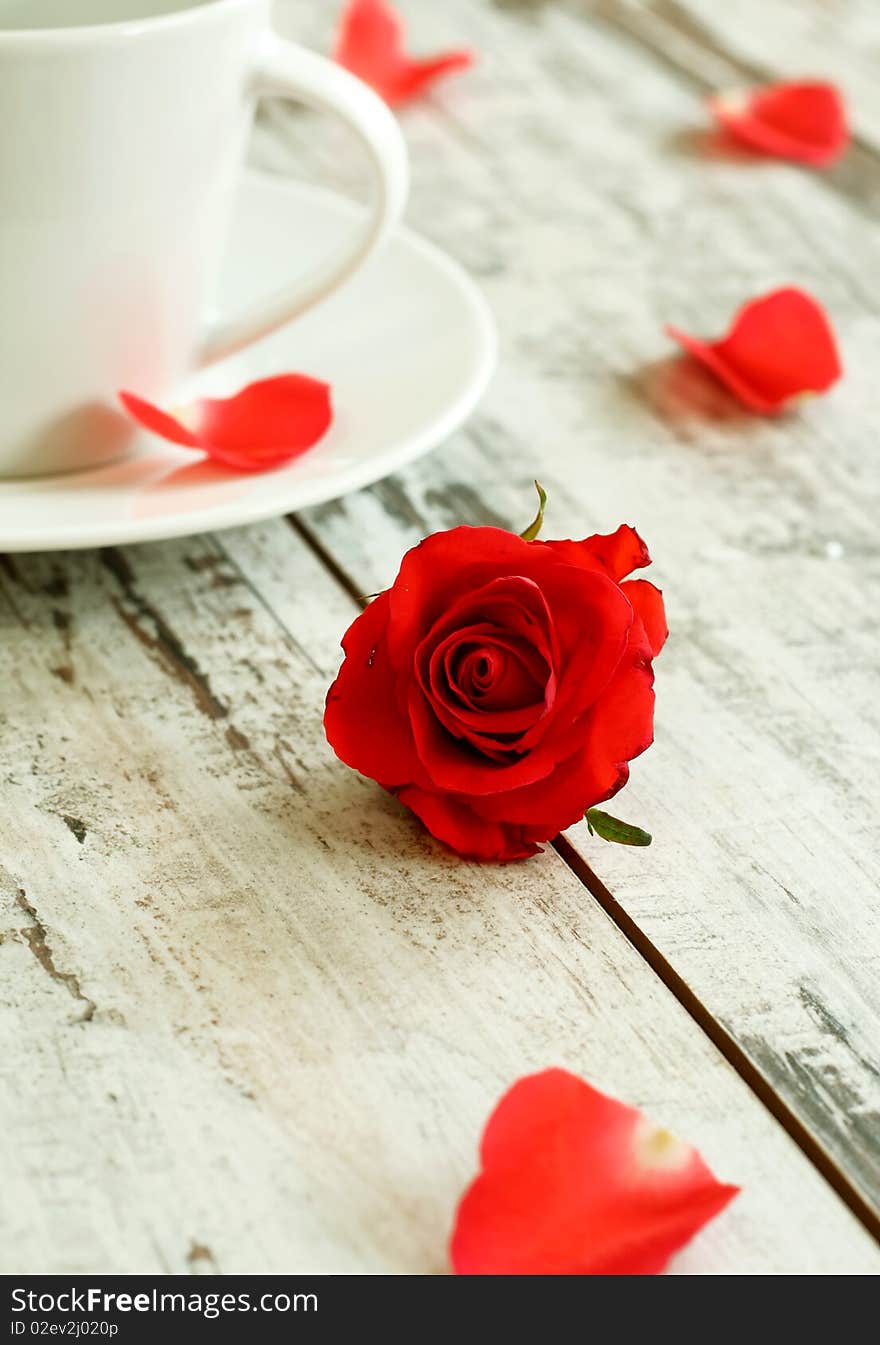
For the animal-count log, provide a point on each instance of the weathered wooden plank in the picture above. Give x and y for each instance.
(252, 1019)
(564, 172)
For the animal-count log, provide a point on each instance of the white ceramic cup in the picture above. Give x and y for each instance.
(123, 126)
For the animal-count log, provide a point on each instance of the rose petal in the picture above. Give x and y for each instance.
(493, 675)
(574, 1182)
(265, 424)
(778, 347)
(513, 612)
(371, 46)
(621, 723)
(441, 570)
(647, 601)
(486, 724)
(451, 821)
(618, 728)
(448, 568)
(802, 121)
(363, 721)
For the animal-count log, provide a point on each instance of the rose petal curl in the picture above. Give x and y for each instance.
(264, 425)
(779, 347)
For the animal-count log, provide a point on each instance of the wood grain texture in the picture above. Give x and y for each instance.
(252, 1019)
(570, 172)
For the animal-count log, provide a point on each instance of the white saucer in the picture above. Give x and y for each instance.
(408, 347)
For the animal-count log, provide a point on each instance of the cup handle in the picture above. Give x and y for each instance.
(286, 70)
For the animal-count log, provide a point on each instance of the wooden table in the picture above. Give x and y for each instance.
(253, 1019)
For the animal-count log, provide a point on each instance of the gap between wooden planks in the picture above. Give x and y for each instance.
(565, 173)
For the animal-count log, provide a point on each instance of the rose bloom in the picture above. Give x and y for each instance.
(500, 686)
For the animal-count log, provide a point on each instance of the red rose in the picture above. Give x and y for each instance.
(500, 686)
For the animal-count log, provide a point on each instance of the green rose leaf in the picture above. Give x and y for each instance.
(612, 829)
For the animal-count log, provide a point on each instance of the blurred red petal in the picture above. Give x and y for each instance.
(265, 424)
(371, 46)
(805, 121)
(575, 1183)
(779, 347)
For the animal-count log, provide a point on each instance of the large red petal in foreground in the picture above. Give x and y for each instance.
(779, 347)
(575, 1183)
(371, 46)
(805, 121)
(266, 424)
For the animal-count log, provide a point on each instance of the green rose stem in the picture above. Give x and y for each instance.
(537, 523)
(611, 829)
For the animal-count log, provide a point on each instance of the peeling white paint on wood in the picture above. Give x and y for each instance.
(251, 1018)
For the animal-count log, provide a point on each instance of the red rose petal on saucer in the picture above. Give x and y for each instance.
(371, 45)
(575, 1183)
(266, 424)
(779, 347)
(805, 122)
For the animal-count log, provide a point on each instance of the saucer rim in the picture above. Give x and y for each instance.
(241, 513)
